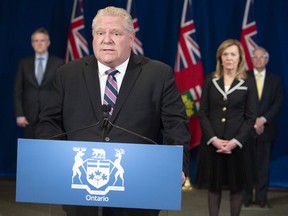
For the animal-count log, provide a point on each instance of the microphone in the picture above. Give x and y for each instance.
(105, 113)
(105, 110)
(105, 123)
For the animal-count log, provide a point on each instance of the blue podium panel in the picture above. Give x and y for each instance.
(99, 174)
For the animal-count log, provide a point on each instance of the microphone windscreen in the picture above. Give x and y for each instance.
(106, 108)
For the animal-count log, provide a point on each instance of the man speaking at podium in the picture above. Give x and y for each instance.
(141, 92)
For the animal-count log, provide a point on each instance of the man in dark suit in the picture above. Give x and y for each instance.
(148, 101)
(270, 95)
(34, 82)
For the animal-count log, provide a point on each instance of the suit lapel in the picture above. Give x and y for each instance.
(47, 70)
(236, 84)
(219, 84)
(90, 73)
(31, 71)
(131, 75)
(265, 86)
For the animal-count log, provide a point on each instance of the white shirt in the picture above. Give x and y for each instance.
(103, 76)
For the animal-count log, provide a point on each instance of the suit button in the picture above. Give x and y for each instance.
(224, 109)
(107, 139)
(223, 120)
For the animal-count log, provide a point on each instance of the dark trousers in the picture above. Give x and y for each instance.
(93, 211)
(260, 154)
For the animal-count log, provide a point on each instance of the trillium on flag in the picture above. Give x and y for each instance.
(189, 71)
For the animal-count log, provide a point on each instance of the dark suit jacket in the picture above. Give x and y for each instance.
(29, 97)
(148, 103)
(229, 118)
(270, 103)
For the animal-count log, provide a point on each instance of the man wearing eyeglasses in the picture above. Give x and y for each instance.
(270, 96)
(34, 82)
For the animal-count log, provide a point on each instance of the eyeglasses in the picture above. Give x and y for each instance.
(259, 57)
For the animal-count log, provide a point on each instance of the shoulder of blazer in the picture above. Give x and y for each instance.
(136, 62)
(55, 59)
(88, 61)
(208, 80)
(27, 60)
(145, 61)
(138, 59)
(273, 81)
(91, 59)
(273, 76)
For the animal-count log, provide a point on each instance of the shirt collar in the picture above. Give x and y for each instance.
(121, 68)
(263, 73)
(44, 56)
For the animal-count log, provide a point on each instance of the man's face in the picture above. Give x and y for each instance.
(112, 43)
(259, 60)
(40, 43)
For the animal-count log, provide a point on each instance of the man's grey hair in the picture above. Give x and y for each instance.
(42, 31)
(115, 11)
(263, 49)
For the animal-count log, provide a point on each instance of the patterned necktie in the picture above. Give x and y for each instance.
(259, 84)
(111, 89)
(40, 71)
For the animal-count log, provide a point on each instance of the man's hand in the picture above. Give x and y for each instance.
(183, 178)
(260, 125)
(21, 121)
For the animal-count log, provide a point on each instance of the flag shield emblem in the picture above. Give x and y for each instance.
(98, 172)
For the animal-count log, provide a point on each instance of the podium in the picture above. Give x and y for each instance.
(99, 174)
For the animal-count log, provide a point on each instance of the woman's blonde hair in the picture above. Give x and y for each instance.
(241, 72)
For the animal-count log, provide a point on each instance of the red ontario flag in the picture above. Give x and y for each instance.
(248, 34)
(189, 72)
(77, 45)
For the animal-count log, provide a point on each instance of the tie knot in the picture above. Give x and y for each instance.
(112, 72)
(40, 58)
(258, 74)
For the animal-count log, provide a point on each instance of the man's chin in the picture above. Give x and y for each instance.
(107, 61)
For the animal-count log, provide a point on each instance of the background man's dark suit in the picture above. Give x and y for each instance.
(29, 97)
(269, 106)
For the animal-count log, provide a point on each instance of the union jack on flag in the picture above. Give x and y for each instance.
(248, 34)
(137, 45)
(189, 72)
(77, 45)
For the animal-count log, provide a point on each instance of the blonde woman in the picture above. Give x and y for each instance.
(227, 114)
